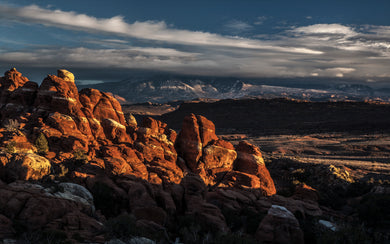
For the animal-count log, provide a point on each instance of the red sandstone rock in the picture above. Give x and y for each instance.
(115, 131)
(117, 166)
(16, 94)
(27, 166)
(120, 154)
(279, 226)
(159, 138)
(194, 193)
(58, 95)
(219, 154)
(189, 143)
(37, 210)
(12, 80)
(6, 227)
(154, 214)
(197, 132)
(250, 161)
(305, 192)
(102, 105)
(298, 207)
(19, 141)
(240, 179)
(154, 141)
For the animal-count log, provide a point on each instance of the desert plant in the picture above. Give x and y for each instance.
(62, 170)
(41, 144)
(12, 125)
(80, 156)
(26, 236)
(10, 147)
(49, 236)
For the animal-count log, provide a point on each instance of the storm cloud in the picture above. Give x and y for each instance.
(320, 50)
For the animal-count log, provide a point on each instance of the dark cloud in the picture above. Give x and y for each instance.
(321, 50)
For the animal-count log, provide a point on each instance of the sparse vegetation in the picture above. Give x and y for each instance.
(346, 234)
(47, 236)
(62, 170)
(192, 230)
(80, 156)
(10, 147)
(12, 125)
(41, 144)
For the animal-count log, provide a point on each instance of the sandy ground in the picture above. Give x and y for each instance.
(369, 152)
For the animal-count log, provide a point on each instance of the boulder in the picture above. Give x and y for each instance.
(17, 94)
(303, 207)
(101, 105)
(32, 206)
(28, 166)
(250, 161)
(200, 147)
(65, 75)
(57, 95)
(12, 80)
(219, 154)
(156, 142)
(75, 192)
(279, 226)
(189, 142)
(6, 227)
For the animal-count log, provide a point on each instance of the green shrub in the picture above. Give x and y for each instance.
(10, 147)
(80, 156)
(61, 170)
(41, 144)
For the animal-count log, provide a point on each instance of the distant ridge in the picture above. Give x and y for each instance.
(165, 88)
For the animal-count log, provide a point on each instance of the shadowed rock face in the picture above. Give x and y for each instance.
(280, 226)
(145, 168)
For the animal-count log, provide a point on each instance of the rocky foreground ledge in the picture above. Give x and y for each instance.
(74, 169)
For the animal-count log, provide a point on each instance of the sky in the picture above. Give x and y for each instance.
(109, 40)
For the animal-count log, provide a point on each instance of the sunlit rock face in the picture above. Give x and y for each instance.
(106, 163)
(250, 161)
(65, 75)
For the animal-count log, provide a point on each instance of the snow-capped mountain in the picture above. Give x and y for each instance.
(163, 89)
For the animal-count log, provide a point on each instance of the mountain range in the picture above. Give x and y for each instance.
(165, 88)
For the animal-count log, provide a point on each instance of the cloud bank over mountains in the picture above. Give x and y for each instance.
(318, 50)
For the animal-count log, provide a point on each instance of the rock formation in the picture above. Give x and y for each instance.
(279, 226)
(105, 162)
